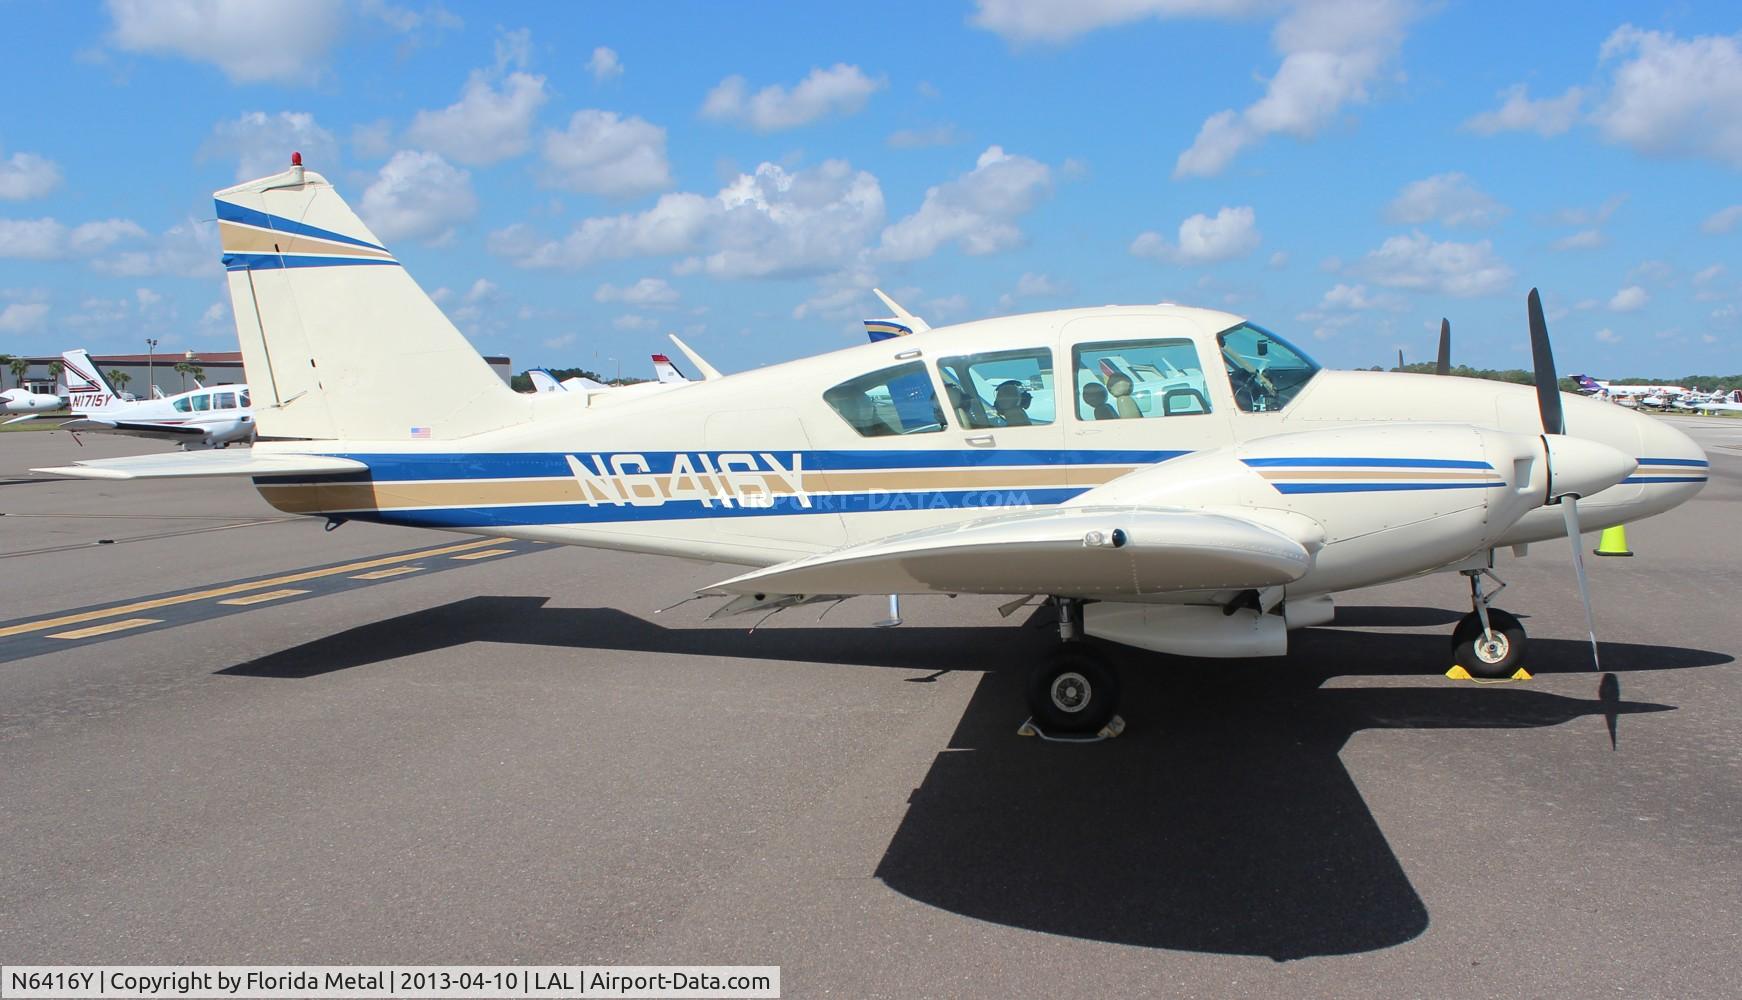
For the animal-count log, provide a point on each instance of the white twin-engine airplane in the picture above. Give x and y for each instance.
(23, 401)
(1224, 506)
(214, 417)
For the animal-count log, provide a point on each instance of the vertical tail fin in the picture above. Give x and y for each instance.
(666, 371)
(543, 381)
(87, 388)
(337, 340)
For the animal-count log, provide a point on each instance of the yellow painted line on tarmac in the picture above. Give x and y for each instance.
(105, 629)
(487, 553)
(270, 595)
(239, 588)
(382, 574)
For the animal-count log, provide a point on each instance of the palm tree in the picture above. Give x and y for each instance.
(54, 371)
(119, 379)
(19, 366)
(184, 368)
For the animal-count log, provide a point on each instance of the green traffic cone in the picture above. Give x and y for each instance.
(1613, 542)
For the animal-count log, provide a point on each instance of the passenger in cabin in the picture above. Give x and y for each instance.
(1119, 387)
(1009, 402)
(1095, 395)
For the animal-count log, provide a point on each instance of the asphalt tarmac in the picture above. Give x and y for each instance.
(513, 759)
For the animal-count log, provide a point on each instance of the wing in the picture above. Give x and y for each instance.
(136, 428)
(238, 462)
(1101, 552)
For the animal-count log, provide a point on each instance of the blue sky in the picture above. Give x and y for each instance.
(573, 181)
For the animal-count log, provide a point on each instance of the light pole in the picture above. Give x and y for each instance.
(150, 357)
(619, 364)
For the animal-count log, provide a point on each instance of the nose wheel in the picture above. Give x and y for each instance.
(1488, 642)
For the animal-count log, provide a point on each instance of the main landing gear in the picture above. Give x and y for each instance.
(1488, 643)
(1074, 692)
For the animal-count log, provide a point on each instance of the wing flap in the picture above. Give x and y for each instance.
(1083, 552)
(189, 464)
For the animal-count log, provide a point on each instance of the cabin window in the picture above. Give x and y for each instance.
(890, 402)
(182, 405)
(244, 399)
(1265, 371)
(1000, 388)
(224, 401)
(1137, 379)
(202, 402)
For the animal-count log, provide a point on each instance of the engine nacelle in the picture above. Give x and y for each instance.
(1188, 629)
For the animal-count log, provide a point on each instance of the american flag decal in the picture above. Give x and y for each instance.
(420, 433)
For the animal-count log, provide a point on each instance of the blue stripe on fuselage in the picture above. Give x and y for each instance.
(404, 467)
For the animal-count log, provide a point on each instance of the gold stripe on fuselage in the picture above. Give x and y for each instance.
(1386, 475)
(311, 498)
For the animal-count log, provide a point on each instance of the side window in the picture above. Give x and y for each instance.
(1000, 388)
(245, 403)
(224, 401)
(202, 402)
(182, 405)
(893, 401)
(1137, 379)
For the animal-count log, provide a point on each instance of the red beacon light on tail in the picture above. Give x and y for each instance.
(296, 166)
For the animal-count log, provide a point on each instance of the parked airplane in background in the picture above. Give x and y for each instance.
(23, 401)
(1202, 530)
(214, 417)
(544, 381)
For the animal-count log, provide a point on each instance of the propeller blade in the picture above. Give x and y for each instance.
(1548, 392)
(1570, 511)
(1444, 365)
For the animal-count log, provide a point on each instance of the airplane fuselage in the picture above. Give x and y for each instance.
(760, 467)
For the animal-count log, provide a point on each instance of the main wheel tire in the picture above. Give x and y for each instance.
(1499, 654)
(1074, 690)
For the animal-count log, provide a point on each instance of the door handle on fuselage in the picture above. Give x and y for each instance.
(981, 441)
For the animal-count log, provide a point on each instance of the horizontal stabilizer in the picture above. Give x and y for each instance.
(188, 464)
(1079, 552)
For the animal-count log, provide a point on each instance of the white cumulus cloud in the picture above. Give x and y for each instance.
(50, 239)
(601, 153)
(1020, 21)
(27, 175)
(647, 291)
(1448, 199)
(1331, 53)
(604, 64)
(251, 42)
(1421, 264)
(262, 143)
(1518, 113)
(838, 91)
(489, 123)
(417, 195)
(1204, 239)
(1584, 239)
(188, 249)
(1629, 299)
(1608, 336)
(1722, 221)
(20, 317)
(977, 211)
(1674, 97)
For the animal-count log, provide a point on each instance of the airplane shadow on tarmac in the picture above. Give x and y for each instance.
(1222, 821)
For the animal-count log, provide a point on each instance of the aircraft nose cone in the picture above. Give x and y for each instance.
(1585, 467)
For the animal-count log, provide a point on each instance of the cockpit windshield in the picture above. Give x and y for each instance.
(1265, 371)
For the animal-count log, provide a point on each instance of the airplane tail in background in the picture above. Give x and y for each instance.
(666, 371)
(543, 381)
(337, 340)
(87, 389)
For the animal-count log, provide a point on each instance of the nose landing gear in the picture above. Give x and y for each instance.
(1488, 643)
